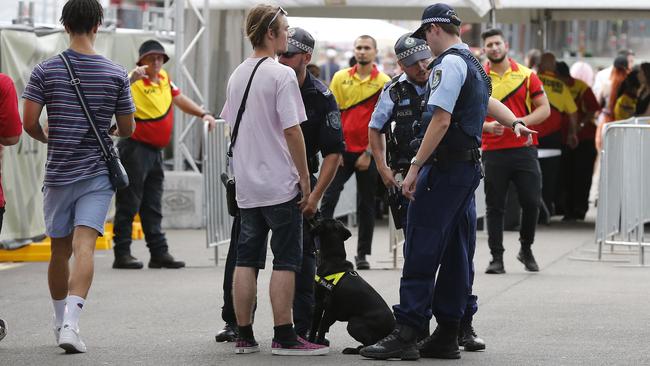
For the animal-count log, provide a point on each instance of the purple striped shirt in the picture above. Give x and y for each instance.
(73, 153)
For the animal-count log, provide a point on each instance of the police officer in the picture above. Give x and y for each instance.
(398, 109)
(322, 133)
(440, 184)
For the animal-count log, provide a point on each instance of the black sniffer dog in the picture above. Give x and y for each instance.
(342, 295)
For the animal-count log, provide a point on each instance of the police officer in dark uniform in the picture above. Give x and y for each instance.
(440, 183)
(398, 109)
(322, 133)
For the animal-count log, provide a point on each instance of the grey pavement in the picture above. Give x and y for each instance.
(570, 313)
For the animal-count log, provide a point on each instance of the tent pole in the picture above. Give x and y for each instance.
(493, 14)
(545, 20)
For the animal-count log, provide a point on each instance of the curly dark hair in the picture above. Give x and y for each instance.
(81, 16)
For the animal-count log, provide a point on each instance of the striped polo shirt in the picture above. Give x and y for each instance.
(73, 153)
(357, 99)
(516, 89)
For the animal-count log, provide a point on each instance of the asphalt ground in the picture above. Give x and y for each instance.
(570, 313)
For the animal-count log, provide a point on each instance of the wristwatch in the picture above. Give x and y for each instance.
(517, 122)
(416, 162)
(207, 113)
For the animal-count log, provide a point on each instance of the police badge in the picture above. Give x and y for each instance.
(334, 120)
(437, 76)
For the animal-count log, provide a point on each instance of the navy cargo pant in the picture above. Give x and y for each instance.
(440, 233)
(472, 300)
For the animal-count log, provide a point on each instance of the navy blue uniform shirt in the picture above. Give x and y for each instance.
(322, 130)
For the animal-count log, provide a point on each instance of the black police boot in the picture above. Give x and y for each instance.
(526, 257)
(442, 343)
(126, 262)
(229, 333)
(400, 343)
(165, 261)
(496, 266)
(468, 338)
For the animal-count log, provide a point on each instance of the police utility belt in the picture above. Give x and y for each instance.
(442, 156)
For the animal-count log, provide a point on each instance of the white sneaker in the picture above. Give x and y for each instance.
(70, 341)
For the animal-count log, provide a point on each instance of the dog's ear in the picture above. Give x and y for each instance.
(343, 231)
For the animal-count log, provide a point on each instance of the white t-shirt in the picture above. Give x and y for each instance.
(263, 168)
(602, 84)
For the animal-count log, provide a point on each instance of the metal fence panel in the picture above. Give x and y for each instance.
(624, 188)
(218, 221)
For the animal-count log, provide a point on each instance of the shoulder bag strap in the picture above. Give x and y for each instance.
(75, 82)
(242, 108)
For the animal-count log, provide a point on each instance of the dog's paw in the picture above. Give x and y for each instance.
(352, 351)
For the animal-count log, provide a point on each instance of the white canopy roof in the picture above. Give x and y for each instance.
(516, 11)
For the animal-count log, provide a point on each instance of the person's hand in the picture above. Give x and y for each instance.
(305, 189)
(408, 186)
(311, 207)
(387, 176)
(139, 73)
(363, 162)
(521, 130)
(572, 140)
(209, 119)
(494, 128)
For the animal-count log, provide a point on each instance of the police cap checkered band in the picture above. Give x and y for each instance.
(436, 20)
(300, 41)
(301, 46)
(410, 51)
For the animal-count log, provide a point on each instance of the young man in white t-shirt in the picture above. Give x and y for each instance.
(270, 167)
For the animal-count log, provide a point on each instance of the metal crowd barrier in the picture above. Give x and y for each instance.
(218, 221)
(624, 186)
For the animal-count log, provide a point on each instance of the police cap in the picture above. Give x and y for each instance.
(300, 41)
(439, 13)
(410, 50)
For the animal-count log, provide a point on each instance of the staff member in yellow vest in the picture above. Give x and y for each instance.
(154, 96)
(550, 132)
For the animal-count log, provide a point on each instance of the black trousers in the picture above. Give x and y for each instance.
(303, 301)
(519, 166)
(577, 169)
(366, 188)
(143, 164)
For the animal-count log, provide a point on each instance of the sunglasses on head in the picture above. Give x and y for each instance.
(280, 11)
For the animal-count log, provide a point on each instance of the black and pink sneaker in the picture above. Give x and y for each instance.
(301, 348)
(243, 346)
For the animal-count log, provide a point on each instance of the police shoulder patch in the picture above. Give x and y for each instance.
(437, 77)
(334, 120)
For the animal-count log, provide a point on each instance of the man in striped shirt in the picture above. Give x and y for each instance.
(77, 190)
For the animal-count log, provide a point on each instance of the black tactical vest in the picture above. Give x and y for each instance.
(407, 110)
